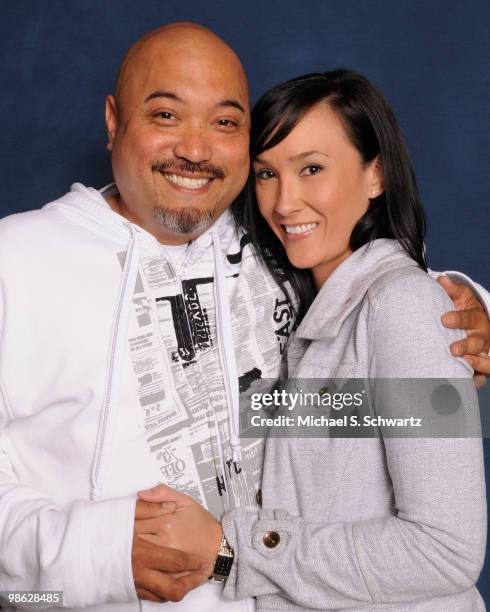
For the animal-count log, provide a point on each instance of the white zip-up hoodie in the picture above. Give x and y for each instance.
(118, 370)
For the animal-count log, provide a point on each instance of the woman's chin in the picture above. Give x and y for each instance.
(302, 263)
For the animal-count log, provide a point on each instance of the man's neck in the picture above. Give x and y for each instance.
(117, 205)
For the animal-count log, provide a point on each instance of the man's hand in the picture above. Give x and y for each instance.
(471, 316)
(191, 528)
(160, 572)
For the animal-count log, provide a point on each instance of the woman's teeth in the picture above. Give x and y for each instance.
(184, 181)
(300, 229)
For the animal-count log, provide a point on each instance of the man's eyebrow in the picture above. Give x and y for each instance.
(233, 104)
(160, 93)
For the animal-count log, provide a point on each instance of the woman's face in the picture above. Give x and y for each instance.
(312, 188)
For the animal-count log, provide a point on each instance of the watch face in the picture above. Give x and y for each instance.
(222, 567)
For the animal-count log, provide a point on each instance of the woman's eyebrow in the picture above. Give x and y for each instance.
(306, 154)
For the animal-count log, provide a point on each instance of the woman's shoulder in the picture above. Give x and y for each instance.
(406, 334)
(410, 288)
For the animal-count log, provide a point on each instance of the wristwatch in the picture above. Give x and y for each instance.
(223, 563)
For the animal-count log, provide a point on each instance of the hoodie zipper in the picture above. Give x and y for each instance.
(108, 392)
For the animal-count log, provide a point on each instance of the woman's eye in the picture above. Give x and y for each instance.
(311, 169)
(264, 175)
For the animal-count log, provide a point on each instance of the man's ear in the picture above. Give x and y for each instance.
(110, 120)
(377, 182)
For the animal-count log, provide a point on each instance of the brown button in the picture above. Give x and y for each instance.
(271, 539)
(258, 497)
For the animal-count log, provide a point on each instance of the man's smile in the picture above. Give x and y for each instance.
(186, 181)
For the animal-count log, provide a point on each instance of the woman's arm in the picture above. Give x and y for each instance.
(434, 544)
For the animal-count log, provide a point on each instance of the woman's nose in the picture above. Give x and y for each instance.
(288, 201)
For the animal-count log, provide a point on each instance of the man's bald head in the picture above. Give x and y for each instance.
(178, 128)
(180, 39)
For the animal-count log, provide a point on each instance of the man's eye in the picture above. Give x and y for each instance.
(264, 175)
(228, 123)
(165, 115)
(311, 169)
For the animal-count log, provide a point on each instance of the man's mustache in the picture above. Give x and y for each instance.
(188, 167)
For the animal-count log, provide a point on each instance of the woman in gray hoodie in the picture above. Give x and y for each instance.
(392, 522)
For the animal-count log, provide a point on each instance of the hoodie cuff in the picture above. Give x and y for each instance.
(257, 559)
(103, 558)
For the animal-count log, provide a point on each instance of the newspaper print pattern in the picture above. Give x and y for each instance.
(175, 359)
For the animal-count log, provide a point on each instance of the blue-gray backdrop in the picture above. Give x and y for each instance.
(58, 59)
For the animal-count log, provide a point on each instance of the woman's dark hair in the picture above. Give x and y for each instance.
(372, 128)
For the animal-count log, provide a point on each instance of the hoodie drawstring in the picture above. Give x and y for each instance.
(226, 348)
(112, 386)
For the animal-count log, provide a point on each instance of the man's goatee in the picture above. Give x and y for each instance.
(185, 221)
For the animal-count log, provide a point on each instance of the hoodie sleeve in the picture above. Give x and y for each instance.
(83, 550)
(434, 543)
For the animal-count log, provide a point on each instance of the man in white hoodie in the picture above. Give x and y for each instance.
(130, 320)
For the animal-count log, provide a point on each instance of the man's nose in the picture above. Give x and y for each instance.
(194, 145)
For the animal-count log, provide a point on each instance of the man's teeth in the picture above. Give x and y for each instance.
(300, 229)
(184, 181)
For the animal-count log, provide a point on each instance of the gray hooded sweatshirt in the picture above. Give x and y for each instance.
(380, 523)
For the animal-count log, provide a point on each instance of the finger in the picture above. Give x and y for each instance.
(480, 380)
(148, 595)
(473, 318)
(473, 345)
(461, 296)
(148, 510)
(480, 363)
(160, 493)
(174, 561)
(171, 588)
(152, 526)
(151, 537)
(191, 581)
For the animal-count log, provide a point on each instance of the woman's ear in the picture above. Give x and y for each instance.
(377, 178)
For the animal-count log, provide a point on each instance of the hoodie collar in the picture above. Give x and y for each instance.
(205, 239)
(347, 286)
(92, 203)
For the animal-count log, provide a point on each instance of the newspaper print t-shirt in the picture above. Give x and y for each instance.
(176, 362)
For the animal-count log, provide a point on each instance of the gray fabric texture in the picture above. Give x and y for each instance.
(393, 524)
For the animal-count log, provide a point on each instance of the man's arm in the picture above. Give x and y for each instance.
(85, 549)
(472, 303)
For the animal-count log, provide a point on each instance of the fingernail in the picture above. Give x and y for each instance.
(204, 565)
(166, 505)
(469, 359)
(449, 319)
(457, 351)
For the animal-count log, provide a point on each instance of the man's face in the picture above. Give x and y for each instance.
(179, 138)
